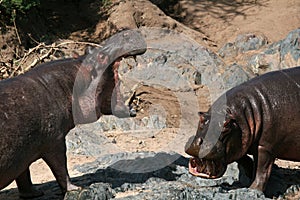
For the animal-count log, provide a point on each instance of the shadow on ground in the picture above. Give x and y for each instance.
(55, 19)
(171, 179)
(222, 9)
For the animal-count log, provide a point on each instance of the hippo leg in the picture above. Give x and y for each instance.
(57, 161)
(25, 186)
(263, 164)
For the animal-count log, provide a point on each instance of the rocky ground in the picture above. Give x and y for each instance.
(195, 52)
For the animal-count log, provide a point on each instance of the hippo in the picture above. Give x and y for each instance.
(260, 117)
(39, 107)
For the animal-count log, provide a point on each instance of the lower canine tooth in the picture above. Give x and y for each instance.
(193, 163)
(213, 167)
(201, 167)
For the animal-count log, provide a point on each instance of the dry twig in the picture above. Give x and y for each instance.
(50, 49)
(15, 26)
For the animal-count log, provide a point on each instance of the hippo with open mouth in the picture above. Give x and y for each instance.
(38, 108)
(260, 117)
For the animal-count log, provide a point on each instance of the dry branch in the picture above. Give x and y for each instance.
(50, 49)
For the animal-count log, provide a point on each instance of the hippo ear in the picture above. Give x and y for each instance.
(227, 123)
(85, 74)
(229, 126)
(89, 50)
(229, 119)
(203, 117)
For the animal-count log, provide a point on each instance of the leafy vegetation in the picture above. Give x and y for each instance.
(11, 8)
(106, 2)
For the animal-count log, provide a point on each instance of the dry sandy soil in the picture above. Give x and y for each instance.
(218, 22)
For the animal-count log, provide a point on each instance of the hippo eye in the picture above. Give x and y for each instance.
(93, 73)
(220, 125)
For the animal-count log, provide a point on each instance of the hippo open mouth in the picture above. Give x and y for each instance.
(120, 109)
(206, 168)
(103, 81)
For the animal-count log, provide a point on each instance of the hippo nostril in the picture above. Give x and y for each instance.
(193, 163)
(132, 112)
(200, 141)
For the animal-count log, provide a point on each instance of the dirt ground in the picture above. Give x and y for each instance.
(220, 21)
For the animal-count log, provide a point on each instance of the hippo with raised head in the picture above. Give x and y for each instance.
(38, 108)
(260, 117)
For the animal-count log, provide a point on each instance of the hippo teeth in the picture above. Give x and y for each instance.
(201, 166)
(206, 168)
(193, 163)
(213, 167)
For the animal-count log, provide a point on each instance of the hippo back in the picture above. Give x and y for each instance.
(268, 107)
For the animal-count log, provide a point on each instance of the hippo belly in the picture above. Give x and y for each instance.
(22, 140)
(287, 152)
(288, 147)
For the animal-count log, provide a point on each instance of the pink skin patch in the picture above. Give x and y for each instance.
(115, 68)
(209, 169)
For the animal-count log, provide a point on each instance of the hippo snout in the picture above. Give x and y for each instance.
(193, 146)
(132, 112)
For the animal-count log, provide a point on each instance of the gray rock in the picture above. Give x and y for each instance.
(250, 42)
(112, 123)
(291, 45)
(172, 61)
(169, 182)
(242, 44)
(178, 63)
(234, 75)
(86, 140)
(228, 50)
(97, 191)
(279, 55)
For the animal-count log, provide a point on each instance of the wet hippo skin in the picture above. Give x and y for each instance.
(38, 108)
(260, 117)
